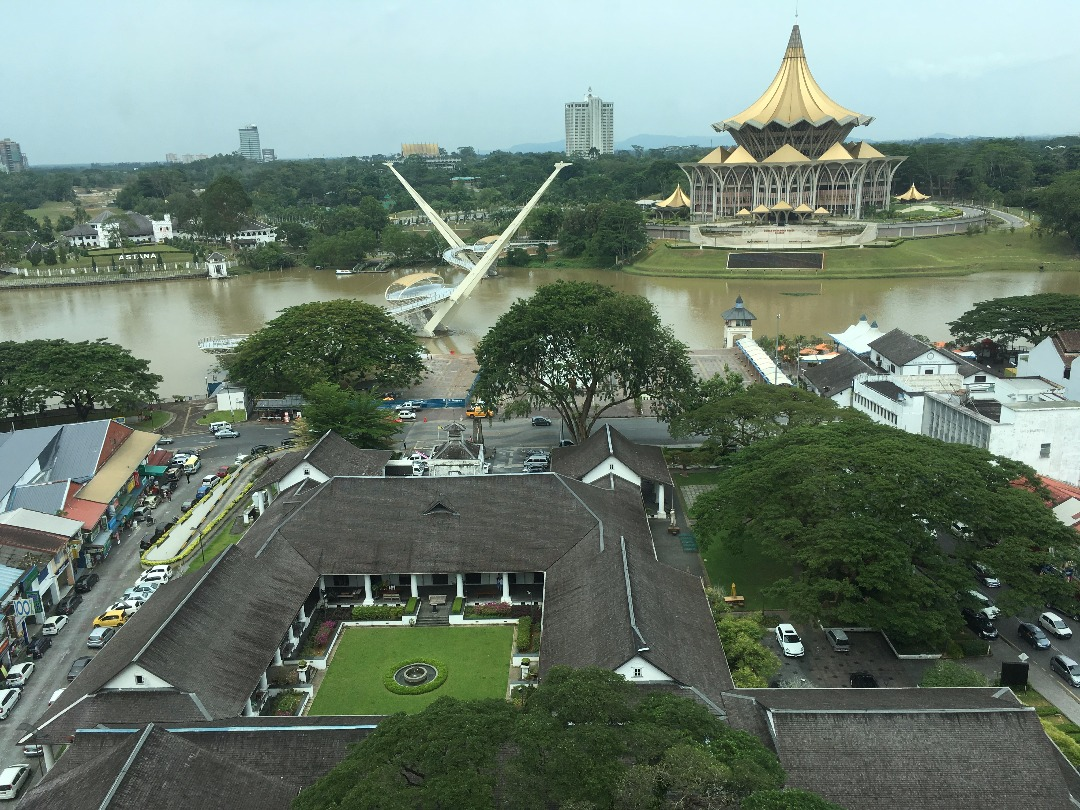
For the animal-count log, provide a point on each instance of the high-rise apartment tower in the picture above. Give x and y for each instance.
(590, 125)
(249, 143)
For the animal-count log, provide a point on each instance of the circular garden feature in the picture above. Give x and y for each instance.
(415, 677)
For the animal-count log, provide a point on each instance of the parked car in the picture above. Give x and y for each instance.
(68, 604)
(1055, 625)
(259, 449)
(790, 643)
(13, 779)
(76, 667)
(141, 590)
(980, 623)
(413, 404)
(566, 443)
(100, 636)
(173, 473)
(8, 699)
(19, 674)
(165, 440)
(1033, 635)
(38, 646)
(1066, 668)
(130, 606)
(960, 529)
(217, 427)
(986, 575)
(210, 480)
(288, 442)
(56, 694)
(53, 625)
(222, 471)
(157, 573)
(112, 618)
(151, 501)
(478, 412)
(227, 433)
(31, 751)
(406, 415)
(985, 603)
(862, 680)
(86, 582)
(541, 421)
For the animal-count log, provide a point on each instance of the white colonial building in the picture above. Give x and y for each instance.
(1053, 360)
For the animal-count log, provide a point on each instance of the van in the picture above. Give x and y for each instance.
(216, 426)
(192, 464)
(838, 639)
(8, 699)
(12, 780)
(100, 636)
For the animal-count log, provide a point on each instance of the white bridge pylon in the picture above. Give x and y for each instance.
(442, 305)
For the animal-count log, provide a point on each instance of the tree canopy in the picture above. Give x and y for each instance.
(581, 348)
(346, 342)
(582, 738)
(1059, 206)
(356, 416)
(1018, 317)
(855, 509)
(84, 376)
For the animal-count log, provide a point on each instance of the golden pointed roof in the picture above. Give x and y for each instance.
(836, 152)
(865, 150)
(820, 210)
(740, 155)
(792, 97)
(678, 199)
(783, 205)
(742, 212)
(761, 209)
(912, 194)
(786, 154)
(803, 208)
(717, 155)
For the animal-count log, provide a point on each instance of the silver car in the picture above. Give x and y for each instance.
(1066, 668)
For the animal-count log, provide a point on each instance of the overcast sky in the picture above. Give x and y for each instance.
(130, 81)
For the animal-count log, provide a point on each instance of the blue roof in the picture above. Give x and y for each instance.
(50, 454)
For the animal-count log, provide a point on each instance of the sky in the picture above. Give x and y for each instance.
(130, 81)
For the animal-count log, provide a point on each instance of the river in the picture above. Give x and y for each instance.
(163, 321)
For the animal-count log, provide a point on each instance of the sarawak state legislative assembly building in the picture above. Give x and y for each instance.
(790, 159)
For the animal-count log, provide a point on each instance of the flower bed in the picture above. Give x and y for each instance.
(285, 704)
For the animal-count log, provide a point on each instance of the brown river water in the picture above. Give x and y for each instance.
(163, 321)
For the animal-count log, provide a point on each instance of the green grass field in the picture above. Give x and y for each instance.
(477, 660)
(941, 256)
(228, 535)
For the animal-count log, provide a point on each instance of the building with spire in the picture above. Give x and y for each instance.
(790, 154)
(738, 324)
(590, 126)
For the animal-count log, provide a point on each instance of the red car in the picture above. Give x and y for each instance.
(222, 471)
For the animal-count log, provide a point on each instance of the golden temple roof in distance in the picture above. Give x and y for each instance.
(912, 194)
(678, 199)
(740, 155)
(865, 150)
(836, 152)
(786, 154)
(760, 209)
(792, 97)
(717, 155)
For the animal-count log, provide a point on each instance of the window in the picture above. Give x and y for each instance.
(637, 672)
(980, 378)
(1044, 451)
(139, 680)
(928, 371)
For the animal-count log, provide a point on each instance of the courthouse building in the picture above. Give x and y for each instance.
(791, 160)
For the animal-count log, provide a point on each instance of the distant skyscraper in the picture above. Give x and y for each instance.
(268, 155)
(249, 143)
(590, 124)
(11, 157)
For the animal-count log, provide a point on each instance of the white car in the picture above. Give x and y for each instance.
(1055, 625)
(19, 674)
(227, 433)
(790, 643)
(406, 415)
(155, 574)
(53, 625)
(141, 590)
(985, 603)
(130, 605)
(13, 779)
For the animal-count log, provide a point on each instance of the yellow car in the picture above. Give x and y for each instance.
(478, 412)
(112, 618)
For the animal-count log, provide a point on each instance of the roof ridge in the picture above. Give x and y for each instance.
(126, 766)
(630, 597)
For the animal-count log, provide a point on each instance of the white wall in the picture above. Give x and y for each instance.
(611, 466)
(295, 476)
(125, 679)
(1024, 429)
(648, 671)
(1044, 361)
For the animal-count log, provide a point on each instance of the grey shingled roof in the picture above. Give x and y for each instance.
(887, 388)
(578, 460)
(331, 455)
(836, 375)
(46, 498)
(899, 347)
(75, 709)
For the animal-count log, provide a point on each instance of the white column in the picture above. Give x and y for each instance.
(263, 683)
(302, 617)
(460, 586)
(412, 585)
(277, 656)
(368, 599)
(506, 587)
(292, 636)
(47, 756)
(661, 511)
(249, 710)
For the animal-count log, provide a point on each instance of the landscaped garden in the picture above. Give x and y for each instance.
(476, 662)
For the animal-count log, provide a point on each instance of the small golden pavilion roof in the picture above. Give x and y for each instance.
(912, 195)
(786, 154)
(717, 155)
(803, 208)
(678, 199)
(820, 210)
(792, 97)
(742, 212)
(761, 209)
(783, 205)
(740, 155)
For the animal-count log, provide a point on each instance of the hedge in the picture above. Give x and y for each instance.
(410, 606)
(395, 687)
(377, 613)
(1068, 746)
(524, 634)
(458, 603)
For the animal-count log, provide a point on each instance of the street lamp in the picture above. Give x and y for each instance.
(776, 352)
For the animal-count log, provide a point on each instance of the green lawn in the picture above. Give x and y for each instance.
(477, 660)
(218, 543)
(941, 256)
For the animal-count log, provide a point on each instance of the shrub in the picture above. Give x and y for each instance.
(457, 606)
(377, 613)
(410, 606)
(324, 634)
(974, 647)
(288, 703)
(395, 687)
(950, 673)
(1068, 746)
(489, 610)
(524, 634)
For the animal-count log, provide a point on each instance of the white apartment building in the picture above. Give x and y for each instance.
(1053, 360)
(590, 124)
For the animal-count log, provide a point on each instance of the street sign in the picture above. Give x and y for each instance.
(23, 607)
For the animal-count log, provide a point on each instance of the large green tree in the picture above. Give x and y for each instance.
(85, 375)
(225, 207)
(346, 342)
(582, 738)
(581, 348)
(852, 508)
(356, 416)
(1018, 317)
(1059, 206)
